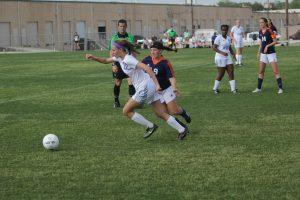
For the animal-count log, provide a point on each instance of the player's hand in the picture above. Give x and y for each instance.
(177, 92)
(158, 89)
(266, 49)
(114, 69)
(89, 56)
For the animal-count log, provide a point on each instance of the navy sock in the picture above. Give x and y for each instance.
(279, 82)
(116, 92)
(259, 83)
(131, 90)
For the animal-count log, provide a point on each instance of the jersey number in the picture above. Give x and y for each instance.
(263, 38)
(155, 71)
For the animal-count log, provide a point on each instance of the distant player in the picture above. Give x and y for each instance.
(117, 71)
(172, 36)
(222, 47)
(237, 34)
(164, 72)
(147, 88)
(266, 54)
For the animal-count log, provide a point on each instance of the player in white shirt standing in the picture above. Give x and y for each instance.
(222, 47)
(237, 34)
(146, 85)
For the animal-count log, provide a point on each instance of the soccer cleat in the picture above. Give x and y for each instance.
(183, 134)
(149, 131)
(280, 91)
(216, 91)
(234, 91)
(117, 104)
(256, 90)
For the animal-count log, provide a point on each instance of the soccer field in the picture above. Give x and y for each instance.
(243, 146)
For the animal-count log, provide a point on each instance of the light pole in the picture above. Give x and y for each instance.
(192, 16)
(287, 21)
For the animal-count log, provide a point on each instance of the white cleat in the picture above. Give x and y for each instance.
(256, 90)
(280, 91)
(234, 91)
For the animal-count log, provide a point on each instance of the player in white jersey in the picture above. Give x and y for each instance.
(222, 47)
(146, 85)
(237, 34)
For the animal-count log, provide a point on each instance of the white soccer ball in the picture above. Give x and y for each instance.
(51, 142)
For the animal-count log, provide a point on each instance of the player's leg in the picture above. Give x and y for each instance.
(230, 71)
(129, 112)
(220, 74)
(274, 65)
(117, 87)
(169, 98)
(161, 112)
(261, 72)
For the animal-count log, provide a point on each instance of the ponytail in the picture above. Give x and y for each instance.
(159, 45)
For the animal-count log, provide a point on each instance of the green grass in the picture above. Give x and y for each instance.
(242, 146)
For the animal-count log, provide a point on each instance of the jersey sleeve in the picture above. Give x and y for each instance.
(170, 70)
(232, 29)
(131, 62)
(217, 41)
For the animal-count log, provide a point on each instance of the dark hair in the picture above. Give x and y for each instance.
(224, 26)
(159, 45)
(264, 19)
(127, 46)
(122, 21)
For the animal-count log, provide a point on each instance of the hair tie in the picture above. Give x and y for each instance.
(118, 45)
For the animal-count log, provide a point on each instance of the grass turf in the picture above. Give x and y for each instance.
(242, 146)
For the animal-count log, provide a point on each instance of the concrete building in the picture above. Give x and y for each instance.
(51, 24)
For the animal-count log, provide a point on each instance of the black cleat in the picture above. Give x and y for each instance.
(149, 131)
(117, 104)
(183, 134)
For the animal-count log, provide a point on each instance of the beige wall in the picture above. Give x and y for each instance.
(154, 18)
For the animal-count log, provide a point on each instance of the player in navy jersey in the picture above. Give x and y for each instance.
(164, 72)
(147, 88)
(266, 54)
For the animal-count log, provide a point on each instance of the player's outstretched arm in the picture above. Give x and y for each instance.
(100, 60)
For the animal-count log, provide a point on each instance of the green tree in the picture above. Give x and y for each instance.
(295, 4)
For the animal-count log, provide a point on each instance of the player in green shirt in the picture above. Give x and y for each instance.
(172, 35)
(117, 71)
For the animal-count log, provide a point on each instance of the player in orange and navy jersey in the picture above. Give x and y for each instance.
(164, 72)
(267, 54)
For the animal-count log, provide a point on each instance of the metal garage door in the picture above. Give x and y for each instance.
(4, 34)
(32, 34)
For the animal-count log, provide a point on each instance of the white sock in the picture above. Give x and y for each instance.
(237, 58)
(241, 59)
(174, 124)
(217, 84)
(232, 85)
(141, 120)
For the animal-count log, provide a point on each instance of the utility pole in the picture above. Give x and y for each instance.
(287, 21)
(192, 17)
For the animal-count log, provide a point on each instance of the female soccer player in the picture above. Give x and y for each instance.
(237, 34)
(223, 60)
(147, 88)
(266, 54)
(164, 72)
